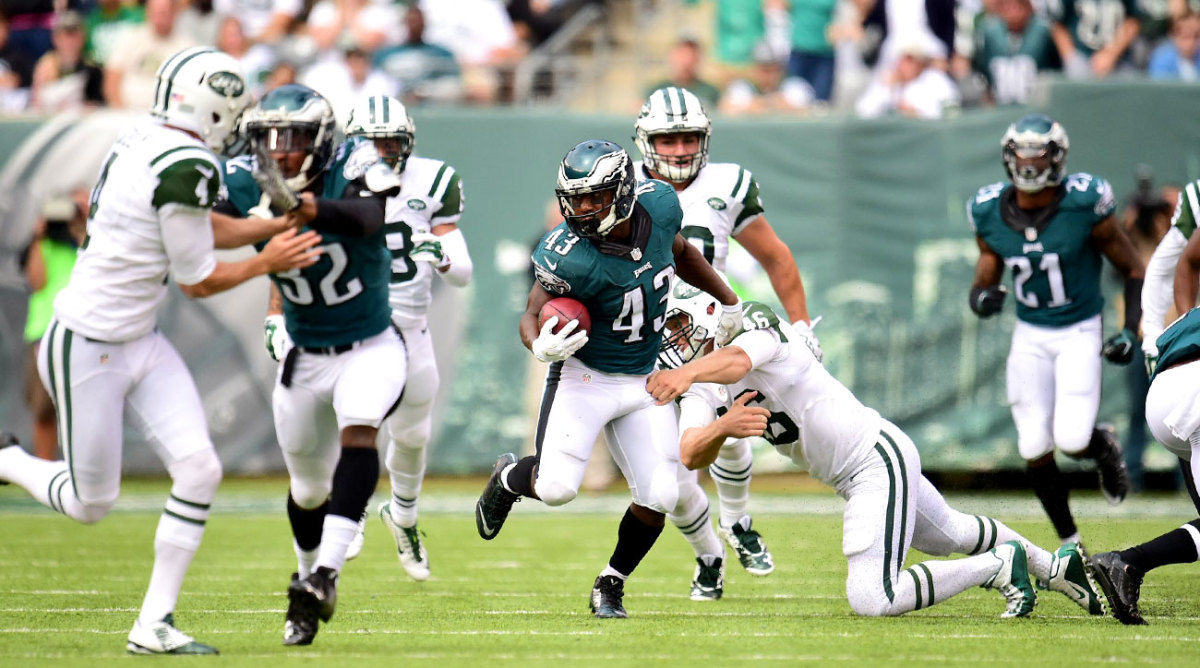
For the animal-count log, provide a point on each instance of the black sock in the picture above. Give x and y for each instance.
(354, 482)
(306, 523)
(1190, 483)
(520, 478)
(1173, 547)
(1051, 489)
(634, 540)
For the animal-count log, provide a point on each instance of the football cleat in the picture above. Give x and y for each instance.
(300, 624)
(748, 544)
(356, 544)
(708, 583)
(607, 593)
(1012, 579)
(1122, 585)
(1069, 577)
(409, 547)
(1110, 463)
(162, 637)
(494, 504)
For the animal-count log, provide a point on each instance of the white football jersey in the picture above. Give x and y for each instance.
(148, 223)
(430, 195)
(814, 418)
(717, 204)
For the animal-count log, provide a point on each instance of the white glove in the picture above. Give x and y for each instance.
(805, 331)
(550, 347)
(1150, 351)
(276, 338)
(427, 248)
(729, 323)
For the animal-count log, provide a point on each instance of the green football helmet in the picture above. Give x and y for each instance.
(382, 118)
(1034, 150)
(596, 188)
(293, 118)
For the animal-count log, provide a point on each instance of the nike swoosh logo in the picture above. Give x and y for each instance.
(552, 265)
(487, 530)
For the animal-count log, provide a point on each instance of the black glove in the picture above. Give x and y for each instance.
(1118, 349)
(987, 301)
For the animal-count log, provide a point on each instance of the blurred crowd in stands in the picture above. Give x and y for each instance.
(921, 58)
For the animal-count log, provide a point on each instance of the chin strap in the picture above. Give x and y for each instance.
(454, 247)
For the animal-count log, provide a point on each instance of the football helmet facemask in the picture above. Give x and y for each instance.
(669, 111)
(384, 120)
(292, 119)
(691, 325)
(1034, 150)
(201, 90)
(596, 188)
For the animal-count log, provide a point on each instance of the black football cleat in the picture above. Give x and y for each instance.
(1122, 585)
(300, 624)
(1110, 463)
(494, 504)
(309, 599)
(606, 597)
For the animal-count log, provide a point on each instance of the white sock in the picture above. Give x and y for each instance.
(336, 535)
(609, 570)
(406, 470)
(504, 477)
(175, 543)
(403, 511)
(42, 479)
(692, 519)
(731, 475)
(306, 560)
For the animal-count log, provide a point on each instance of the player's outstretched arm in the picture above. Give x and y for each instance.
(352, 216)
(1158, 289)
(699, 446)
(286, 250)
(446, 249)
(765, 246)
(1187, 273)
(234, 232)
(722, 366)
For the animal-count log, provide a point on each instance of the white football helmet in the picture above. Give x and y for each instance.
(691, 324)
(1035, 137)
(596, 168)
(383, 117)
(672, 110)
(293, 118)
(201, 90)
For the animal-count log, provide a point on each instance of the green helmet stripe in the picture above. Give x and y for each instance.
(386, 109)
(371, 107)
(171, 79)
(682, 102)
(669, 102)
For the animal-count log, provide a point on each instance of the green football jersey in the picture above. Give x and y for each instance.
(626, 295)
(1011, 62)
(1056, 270)
(1093, 24)
(343, 298)
(1180, 341)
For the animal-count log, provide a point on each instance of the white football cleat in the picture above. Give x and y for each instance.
(162, 637)
(409, 547)
(356, 544)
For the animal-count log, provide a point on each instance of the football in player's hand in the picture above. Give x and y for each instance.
(566, 309)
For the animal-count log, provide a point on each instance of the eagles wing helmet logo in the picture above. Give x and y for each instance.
(227, 84)
(716, 203)
(549, 281)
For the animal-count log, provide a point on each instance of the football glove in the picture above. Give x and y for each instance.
(427, 248)
(1118, 349)
(729, 322)
(551, 347)
(270, 180)
(276, 338)
(805, 331)
(987, 302)
(1150, 352)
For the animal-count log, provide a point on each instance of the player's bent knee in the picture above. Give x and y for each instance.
(554, 493)
(89, 513)
(1073, 444)
(197, 476)
(310, 494)
(868, 602)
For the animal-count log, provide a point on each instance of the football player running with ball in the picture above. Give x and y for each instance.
(330, 397)
(720, 201)
(616, 252)
(767, 383)
(102, 357)
(421, 224)
(1053, 230)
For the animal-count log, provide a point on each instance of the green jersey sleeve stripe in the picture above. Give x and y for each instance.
(190, 182)
(452, 199)
(438, 179)
(175, 150)
(1188, 217)
(738, 186)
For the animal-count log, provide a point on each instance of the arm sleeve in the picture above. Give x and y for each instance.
(359, 215)
(1158, 291)
(188, 239)
(454, 246)
(759, 344)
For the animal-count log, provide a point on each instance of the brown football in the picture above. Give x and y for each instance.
(566, 309)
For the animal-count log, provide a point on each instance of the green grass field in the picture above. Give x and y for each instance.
(69, 593)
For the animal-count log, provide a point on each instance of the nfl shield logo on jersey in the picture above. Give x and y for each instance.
(636, 254)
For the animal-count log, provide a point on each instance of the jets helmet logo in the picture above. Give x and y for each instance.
(416, 204)
(716, 203)
(227, 84)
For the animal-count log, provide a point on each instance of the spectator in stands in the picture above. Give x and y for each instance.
(482, 38)
(766, 90)
(913, 87)
(895, 21)
(264, 21)
(48, 262)
(29, 25)
(1011, 47)
(105, 24)
(129, 76)
(343, 81)
(811, 48)
(198, 20)
(683, 64)
(426, 72)
(1179, 57)
(1093, 36)
(62, 78)
(739, 27)
(282, 74)
(256, 59)
(16, 73)
(369, 25)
